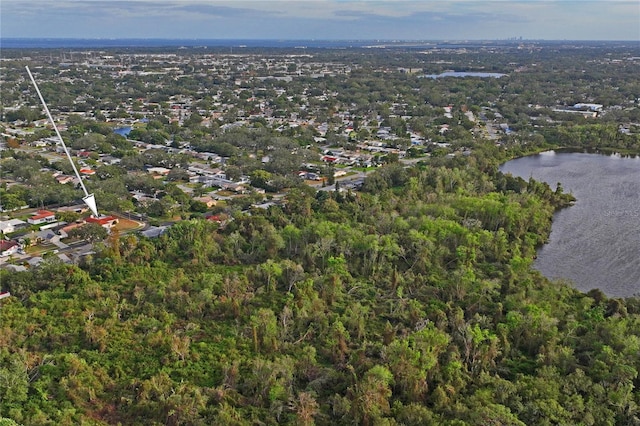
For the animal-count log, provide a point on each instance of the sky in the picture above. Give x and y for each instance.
(322, 20)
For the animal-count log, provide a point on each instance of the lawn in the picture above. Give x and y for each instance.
(127, 224)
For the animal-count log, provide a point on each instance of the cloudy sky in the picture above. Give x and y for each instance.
(327, 20)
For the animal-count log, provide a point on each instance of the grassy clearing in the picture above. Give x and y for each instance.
(127, 225)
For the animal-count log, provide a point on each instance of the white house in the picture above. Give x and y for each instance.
(8, 226)
(42, 216)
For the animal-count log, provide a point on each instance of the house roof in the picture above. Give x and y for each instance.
(64, 178)
(68, 228)
(101, 220)
(47, 234)
(11, 224)
(35, 261)
(6, 245)
(14, 268)
(154, 231)
(41, 214)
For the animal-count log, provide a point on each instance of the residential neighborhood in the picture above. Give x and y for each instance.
(166, 136)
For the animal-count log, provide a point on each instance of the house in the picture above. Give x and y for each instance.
(7, 248)
(215, 218)
(160, 171)
(64, 232)
(309, 175)
(78, 208)
(35, 261)
(154, 231)
(207, 200)
(15, 268)
(64, 179)
(589, 107)
(206, 171)
(265, 205)
(42, 216)
(11, 225)
(104, 221)
(142, 198)
(45, 235)
(109, 160)
(4, 294)
(209, 156)
(236, 187)
(447, 111)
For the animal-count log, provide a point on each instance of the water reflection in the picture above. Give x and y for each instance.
(596, 242)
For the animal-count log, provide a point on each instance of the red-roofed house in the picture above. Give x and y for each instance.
(68, 228)
(218, 218)
(87, 172)
(215, 218)
(7, 248)
(42, 216)
(104, 221)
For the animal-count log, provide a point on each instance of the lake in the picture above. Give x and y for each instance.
(596, 242)
(465, 74)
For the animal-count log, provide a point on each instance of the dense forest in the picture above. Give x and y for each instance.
(411, 302)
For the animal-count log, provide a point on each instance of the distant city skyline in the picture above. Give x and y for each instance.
(326, 20)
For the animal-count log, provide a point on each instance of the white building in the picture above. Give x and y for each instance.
(42, 216)
(11, 225)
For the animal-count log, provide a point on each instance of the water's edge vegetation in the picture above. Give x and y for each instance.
(411, 302)
(591, 243)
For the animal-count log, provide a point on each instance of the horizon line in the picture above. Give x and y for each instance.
(307, 39)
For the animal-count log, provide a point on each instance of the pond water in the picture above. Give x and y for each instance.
(123, 131)
(596, 242)
(465, 74)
